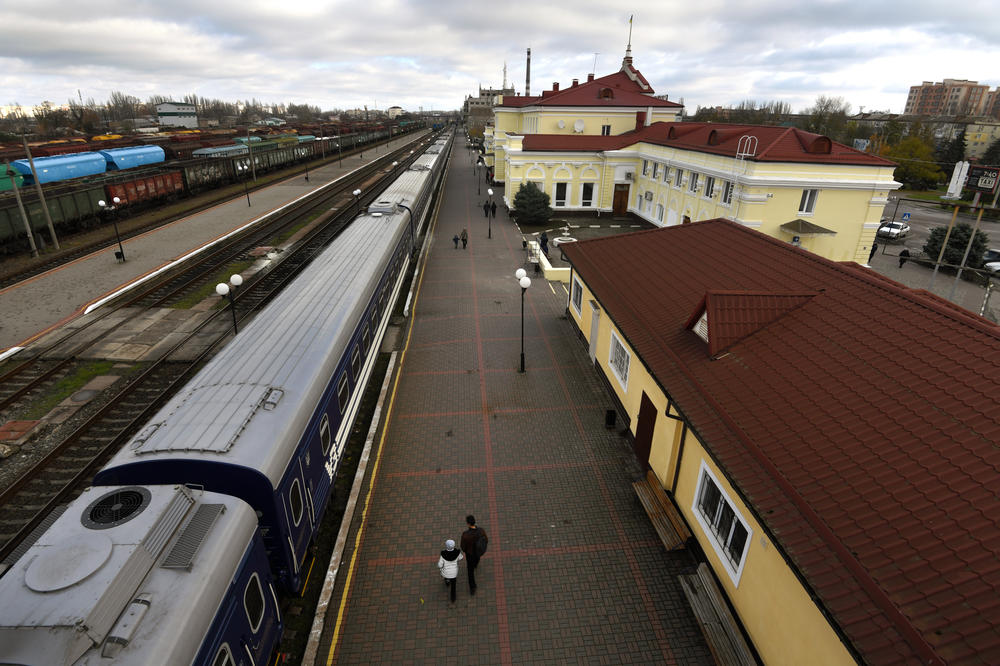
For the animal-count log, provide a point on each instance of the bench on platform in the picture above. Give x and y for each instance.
(722, 632)
(672, 529)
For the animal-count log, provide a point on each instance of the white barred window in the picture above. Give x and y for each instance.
(728, 531)
(618, 359)
(577, 296)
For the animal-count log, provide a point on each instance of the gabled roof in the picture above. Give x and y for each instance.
(765, 143)
(626, 87)
(861, 427)
(731, 316)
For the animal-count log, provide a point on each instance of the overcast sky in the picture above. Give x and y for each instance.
(426, 54)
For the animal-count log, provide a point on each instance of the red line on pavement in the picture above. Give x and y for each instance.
(421, 560)
(519, 410)
(503, 621)
(480, 470)
(640, 582)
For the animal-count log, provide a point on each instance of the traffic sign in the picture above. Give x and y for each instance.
(906, 217)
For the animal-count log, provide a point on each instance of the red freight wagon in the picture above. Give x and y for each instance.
(146, 188)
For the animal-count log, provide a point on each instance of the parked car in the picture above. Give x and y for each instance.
(893, 230)
(991, 260)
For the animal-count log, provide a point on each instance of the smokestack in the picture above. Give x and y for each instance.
(527, 76)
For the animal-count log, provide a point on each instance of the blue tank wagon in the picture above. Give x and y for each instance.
(62, 167)
(135, 156)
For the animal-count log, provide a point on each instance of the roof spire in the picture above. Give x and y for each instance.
(627, 60)
(504, 75)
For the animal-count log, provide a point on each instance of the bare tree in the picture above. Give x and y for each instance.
(828, 116)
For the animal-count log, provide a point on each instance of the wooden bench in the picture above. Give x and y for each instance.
(722, 632)
(666, 519)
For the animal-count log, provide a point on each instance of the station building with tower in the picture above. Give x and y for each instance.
(610, 146)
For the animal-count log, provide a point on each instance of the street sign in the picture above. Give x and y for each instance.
(983, 178)
(906, 217)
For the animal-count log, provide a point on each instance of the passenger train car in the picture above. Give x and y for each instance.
(268, 418)
(125, 572)
(170, 556)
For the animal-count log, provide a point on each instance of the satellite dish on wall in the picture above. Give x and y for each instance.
(561, 124)
(578, 126)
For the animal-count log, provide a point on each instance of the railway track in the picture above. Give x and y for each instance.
(70, 464)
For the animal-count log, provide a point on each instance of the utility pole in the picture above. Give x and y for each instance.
(24, 216)
(38, 188)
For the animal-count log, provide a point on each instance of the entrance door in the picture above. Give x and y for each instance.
(620, 204)
(595, 320)
(644, 430)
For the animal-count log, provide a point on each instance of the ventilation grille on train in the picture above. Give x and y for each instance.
(115, 508)
(181, 556)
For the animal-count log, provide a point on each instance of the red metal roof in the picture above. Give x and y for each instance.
(861, 425)
(614, 90)
(773, 144)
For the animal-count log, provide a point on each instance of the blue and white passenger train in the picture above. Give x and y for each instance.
(257, 435)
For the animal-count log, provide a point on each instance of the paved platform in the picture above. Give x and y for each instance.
(30, 308)
(575, 572)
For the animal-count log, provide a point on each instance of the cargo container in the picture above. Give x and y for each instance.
(62, 167)
(136, 156)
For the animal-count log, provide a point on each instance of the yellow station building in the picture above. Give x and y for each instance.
(608, 146)
(839, 493)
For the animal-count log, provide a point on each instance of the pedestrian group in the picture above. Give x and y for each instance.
(473, 547)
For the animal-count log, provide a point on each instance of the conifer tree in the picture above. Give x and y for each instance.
(532, 205)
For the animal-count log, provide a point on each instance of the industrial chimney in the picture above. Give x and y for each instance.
(527, 76)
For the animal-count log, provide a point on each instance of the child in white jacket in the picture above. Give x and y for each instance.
(448, 564)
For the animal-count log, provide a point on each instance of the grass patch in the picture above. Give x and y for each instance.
(208, 289)
(67, 386)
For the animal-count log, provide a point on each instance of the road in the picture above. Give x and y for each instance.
(924, 216)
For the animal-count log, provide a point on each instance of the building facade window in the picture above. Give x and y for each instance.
(605, 130)
(659, 212)
(709, 187)
(560, 194)
(587, 198)
(618, 360)
(678, 177)
(693, 183)
(807, 205)
(656, 170)
(727, 530)
(727, 192)
(577, 298)
(645, 167)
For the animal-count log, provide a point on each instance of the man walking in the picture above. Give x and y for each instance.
(493, 210)
(486, 209)
(474, 542)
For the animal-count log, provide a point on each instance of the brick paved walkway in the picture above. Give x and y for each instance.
(575, 572)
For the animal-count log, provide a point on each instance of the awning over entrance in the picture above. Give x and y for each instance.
(803, 228)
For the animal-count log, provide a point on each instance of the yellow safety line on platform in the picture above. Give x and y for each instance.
(381, 442)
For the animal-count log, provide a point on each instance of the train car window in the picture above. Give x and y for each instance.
(366, 339)
(355, 363)
(253, 603)
(224, 657)
(295, 499)
(324, 434)
(343, 392)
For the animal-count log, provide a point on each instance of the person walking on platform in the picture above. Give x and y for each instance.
(448, 564)
(474, 542)
(465, 238)
(543, 242)
(493, 210)
(455, 240)
(903, 256)
(486, 209)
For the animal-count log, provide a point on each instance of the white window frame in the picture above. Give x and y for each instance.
(709, 187)
(246, 611)
(645, 167)
(619, 375)
(584, 201)
(659, 212)
(656, 170)
(679, 177)
(728, 187)
(666, 174)
(693, 182)
(733, 569)
(576, 297)
(325, 437)
(560, 203)
(807, 204)
(605, 130)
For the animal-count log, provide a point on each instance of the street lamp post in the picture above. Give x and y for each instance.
(222, 289)
(357, 200)
(120, 254)
(524, 281)
(489, 218)
(243, 172)
(307, 163)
